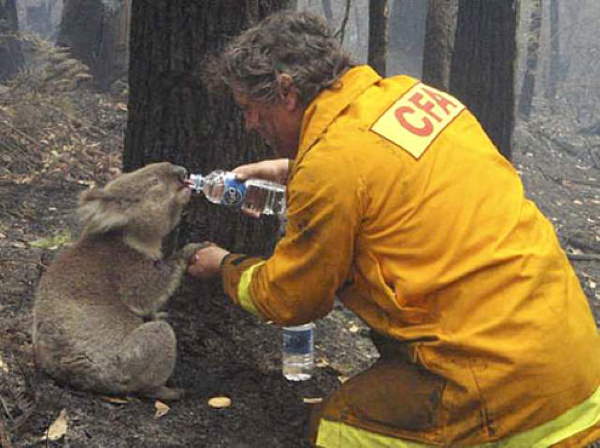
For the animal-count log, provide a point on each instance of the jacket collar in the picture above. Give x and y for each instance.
(325, 108)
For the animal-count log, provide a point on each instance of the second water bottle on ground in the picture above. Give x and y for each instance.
(253, 195)
(298, 352)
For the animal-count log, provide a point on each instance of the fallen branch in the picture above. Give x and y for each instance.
(21, 133)
(23, 261)
(583, 257)
(5, 407)
(11, 146)
(581, 182)
(555, 179)
(595, 156)
(4, 435)
(552, 142)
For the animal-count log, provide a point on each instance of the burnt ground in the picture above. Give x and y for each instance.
(46, 160)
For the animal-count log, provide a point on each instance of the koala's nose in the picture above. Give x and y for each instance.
(181, 172)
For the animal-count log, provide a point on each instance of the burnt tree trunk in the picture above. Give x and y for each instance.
(378, 35)
(439, 42)
(94, 32)
(555, 65)
(120, 49)
(172, 116)
(80, 29)
(406, 36)
(328, 11)
(482, 71)
(533, 49)
(11, 56)
(40, 17)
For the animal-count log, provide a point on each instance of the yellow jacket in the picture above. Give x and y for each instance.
(400, 204)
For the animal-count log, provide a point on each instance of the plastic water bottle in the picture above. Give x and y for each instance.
(254, 195)
(298, 352)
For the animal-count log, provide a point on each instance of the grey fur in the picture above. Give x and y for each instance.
(96, 323)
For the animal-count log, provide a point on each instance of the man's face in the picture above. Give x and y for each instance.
(277, 123)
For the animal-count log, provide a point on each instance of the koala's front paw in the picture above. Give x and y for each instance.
(190, 249)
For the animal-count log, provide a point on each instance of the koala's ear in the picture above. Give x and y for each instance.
(100, 212)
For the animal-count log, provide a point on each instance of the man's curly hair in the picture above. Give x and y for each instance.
(298, 44)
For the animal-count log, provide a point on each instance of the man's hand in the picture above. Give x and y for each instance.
(206, 262)
(275, 170)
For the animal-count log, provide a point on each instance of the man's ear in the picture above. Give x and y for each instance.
(288, 93)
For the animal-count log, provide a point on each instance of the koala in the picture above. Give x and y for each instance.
(96, 319)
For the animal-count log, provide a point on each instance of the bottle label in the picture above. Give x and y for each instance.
(234, 192)
(298, 342)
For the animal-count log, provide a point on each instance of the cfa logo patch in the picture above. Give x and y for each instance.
(417, 118)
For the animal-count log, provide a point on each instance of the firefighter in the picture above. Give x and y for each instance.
(400, 205)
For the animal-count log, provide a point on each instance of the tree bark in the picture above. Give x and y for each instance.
(93, 30)
(439, 42)
(173, 117)
(482, 70)
(378, 16)
(554, 71)
(328, 11)
(406, 36)
(533, 48)
(39, 17)
(11, 56)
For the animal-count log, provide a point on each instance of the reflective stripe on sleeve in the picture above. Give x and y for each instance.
(244, 289)
(575, 420)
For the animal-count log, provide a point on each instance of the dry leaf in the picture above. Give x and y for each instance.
(219, 402)
(115, 400)
(161, 409)
(2, 236)
(121, 106)
(3, 365)
(314, 400)
(353, 328)
(342, 379)
(322, 363)
(57, 429)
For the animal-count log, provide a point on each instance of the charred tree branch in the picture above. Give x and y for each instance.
(583, 257)
(4, 434)
(341, 31)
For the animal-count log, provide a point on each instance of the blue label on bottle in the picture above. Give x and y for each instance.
(298, 342)
(234, 192)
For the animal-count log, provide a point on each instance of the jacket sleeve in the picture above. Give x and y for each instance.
(297, 284)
